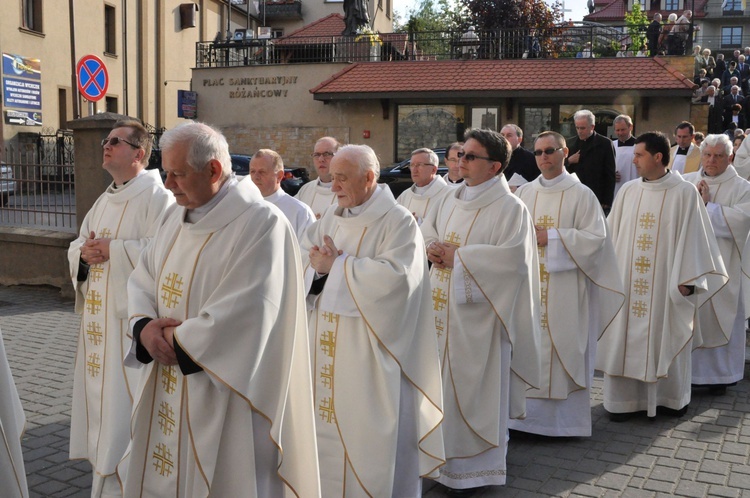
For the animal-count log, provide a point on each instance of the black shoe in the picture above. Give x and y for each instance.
(671, 412)
(718, 390)
(621, 417)
(463, 493)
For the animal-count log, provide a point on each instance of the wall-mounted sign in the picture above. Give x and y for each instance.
(22, 94)
(22, 67)
(23, 118)
(187, 104)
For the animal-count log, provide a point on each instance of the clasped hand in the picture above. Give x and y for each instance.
(95, 251)
(158, 339)
(322, 257)
(441, 254)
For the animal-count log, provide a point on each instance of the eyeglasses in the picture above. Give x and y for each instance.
(316, 155)
(113, 141)
(421, 165)
(470, 157)
(451, 160)
(549, 151)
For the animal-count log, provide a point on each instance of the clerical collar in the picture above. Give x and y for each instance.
(448, 179)
(356, 210)
(470, 193)
(627, 143)
(660, 179)
(588, 138)
(114, 187)
(324, 184)
(196, 214)
(554, 181)
(681, 151)
(422, 190)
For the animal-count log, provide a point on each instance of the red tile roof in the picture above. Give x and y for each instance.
(325, 28)
(615, 11)
(548, 77)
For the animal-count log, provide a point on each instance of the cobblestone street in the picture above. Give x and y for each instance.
(706, 453)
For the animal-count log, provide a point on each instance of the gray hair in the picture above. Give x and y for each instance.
(434, 160)
(717, 139)
(585, 114)
(672, 17)
(363, 156)
(623, 117)
(706, 51)
(515, 128)
(203, 143)
(276, 162)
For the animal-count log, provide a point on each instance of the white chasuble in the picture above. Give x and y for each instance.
(663, 239)
(624, 164)
(729, 212)
(580, 294)
(375, 363)
(12, 425)
(242, 426)
(490, 331)
(103, 387)
(318, 197)
(418, 204)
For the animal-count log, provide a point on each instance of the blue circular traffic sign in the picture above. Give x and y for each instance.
(93, 78)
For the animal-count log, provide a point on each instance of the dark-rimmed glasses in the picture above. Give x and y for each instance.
(316, 155)
(470, 157)
(549, 151)
(113, 141)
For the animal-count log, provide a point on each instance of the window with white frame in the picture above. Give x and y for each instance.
(731, 36)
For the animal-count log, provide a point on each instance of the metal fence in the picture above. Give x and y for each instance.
(38, 182)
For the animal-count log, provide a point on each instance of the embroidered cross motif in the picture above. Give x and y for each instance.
(642, 264)
(93, 302)
(326, 376)
(171, 290)
(453, 238)
(105, 233)
(641, 286)
(169, 378)
(546, 222)
(94, 333)
(95, 273)
(326, 411)
(330, 317)
(328, 343)
(163, 460)
(93, 364)
(544, 321)
(640, 309)
(166, 418)
(444, 274)
(439, 299)
(647, 221)
(645, 242)
(543, 295)
(439, 326)
(543, 274)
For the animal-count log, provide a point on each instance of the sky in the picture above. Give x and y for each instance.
(577, 8)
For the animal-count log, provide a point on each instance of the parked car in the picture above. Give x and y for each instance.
(293, 180)
(7, 183)
(398, 176)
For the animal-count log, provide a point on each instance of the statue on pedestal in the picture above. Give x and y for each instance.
(355, 16)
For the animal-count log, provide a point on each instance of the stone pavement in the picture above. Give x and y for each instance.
(706, 453)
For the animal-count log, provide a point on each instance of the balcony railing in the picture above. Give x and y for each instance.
(578, 40)
(282, 9)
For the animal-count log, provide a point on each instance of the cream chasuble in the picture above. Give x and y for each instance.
(742, 159)
(375, 363)
(318, 196)
(663, 239)
(418, 204)
(576, 273)
(102, 386)
(244, 425)
(729, 212)
(485, 313)
(12, 425)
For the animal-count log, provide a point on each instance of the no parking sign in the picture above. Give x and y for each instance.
(93, 78)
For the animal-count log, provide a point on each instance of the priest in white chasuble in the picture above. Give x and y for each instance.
(485, 302)
(580, 292)
(216, 303)
(112, 236)
(317, 193)
(374, 356)
(12, 424)
(727, 199)
(428, 186)
(670, 265)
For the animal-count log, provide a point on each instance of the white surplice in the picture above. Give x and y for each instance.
(663, 239)
(12, 425)
(742, 159)
(243, 426)
(729, 212)
(375, 362)
(486, 319)
(297, 212)
(624, 164)
(577, 272)
(102, 387)
(318, 196)
(419, 200)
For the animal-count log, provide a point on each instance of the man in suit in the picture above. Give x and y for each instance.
(592, 158)
(522, 161)
(652, 35)
(744, 68)
(685, 157)
(730, 99)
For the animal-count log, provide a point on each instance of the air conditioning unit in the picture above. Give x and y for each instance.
(242, 35)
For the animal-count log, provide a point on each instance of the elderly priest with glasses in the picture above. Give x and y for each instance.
(485, 300)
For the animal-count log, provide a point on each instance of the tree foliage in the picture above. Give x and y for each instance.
(432, 15)
(493, 14)
(637, 22)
